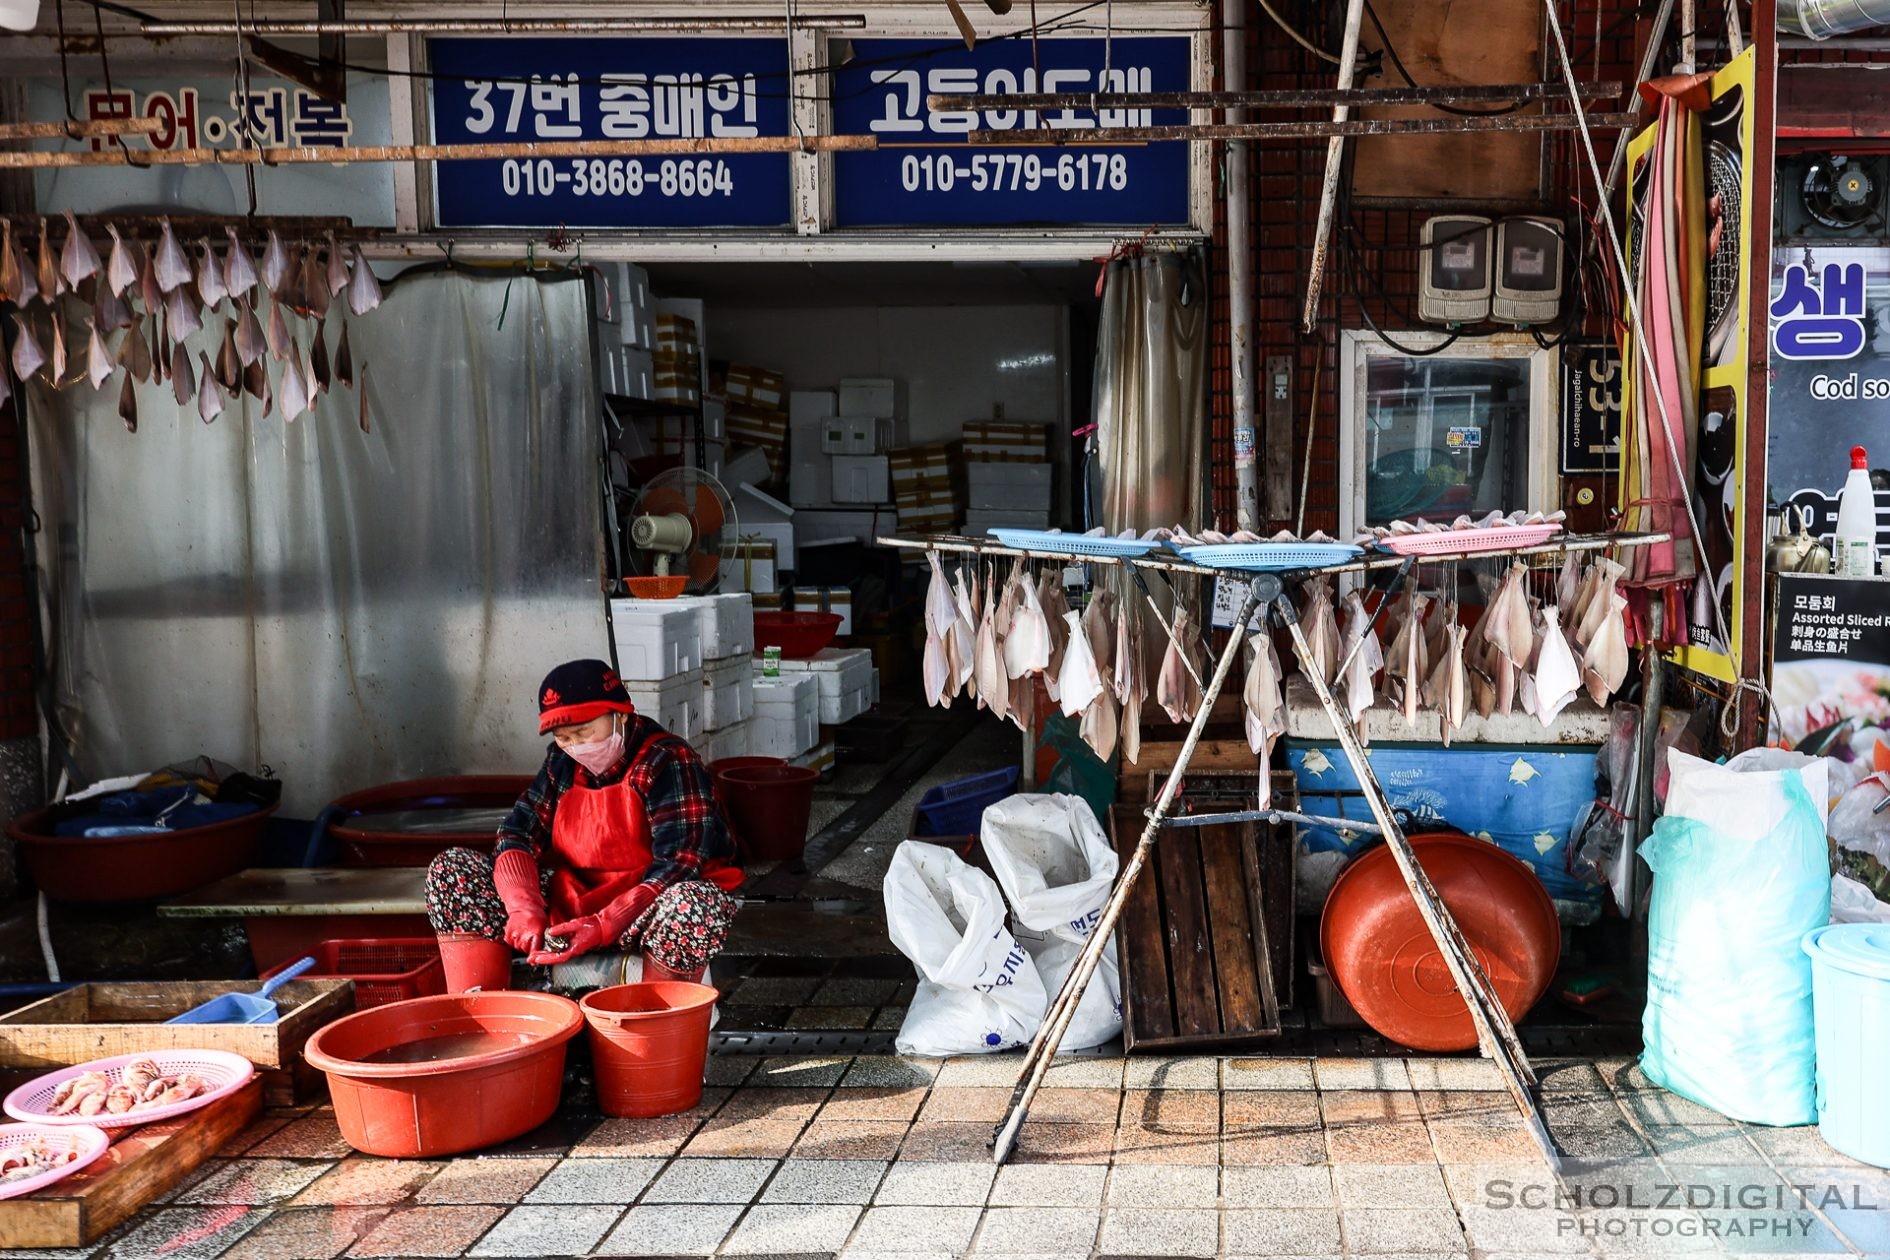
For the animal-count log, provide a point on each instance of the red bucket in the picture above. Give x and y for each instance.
(649, 1043)
(770, 806)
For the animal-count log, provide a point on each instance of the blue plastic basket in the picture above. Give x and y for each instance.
(957, 809)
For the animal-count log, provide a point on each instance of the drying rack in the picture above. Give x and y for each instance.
(1496, 1034)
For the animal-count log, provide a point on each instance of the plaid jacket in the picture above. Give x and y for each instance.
(688, 835)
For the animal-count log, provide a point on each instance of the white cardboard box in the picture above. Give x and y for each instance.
(810, 481)
(727, 623)
(849, 435)
(675, 703)
(875, 396)
(655, 638)
(786, 721)
(728, 692)
(751, 574)
(843, 680)
(1008, 487)
(861, 479)
(805, 406)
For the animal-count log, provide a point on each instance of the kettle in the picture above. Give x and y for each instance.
(1799, 552)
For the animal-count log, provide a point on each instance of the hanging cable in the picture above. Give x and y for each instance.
(1267, 8)
(1398, 63)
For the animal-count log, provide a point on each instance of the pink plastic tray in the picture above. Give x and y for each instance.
(1460, 541)
(88, 1140)
(224, 1072)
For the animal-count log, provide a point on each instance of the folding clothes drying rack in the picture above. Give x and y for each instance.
(1496, 1035)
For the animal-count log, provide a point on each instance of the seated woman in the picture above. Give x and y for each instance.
(617, 844)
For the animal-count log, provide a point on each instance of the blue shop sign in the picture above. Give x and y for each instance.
(494, 90)
(925, 174)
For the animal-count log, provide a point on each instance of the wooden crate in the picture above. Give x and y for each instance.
(1205, 939)
(141, 1166)
(97, 1021)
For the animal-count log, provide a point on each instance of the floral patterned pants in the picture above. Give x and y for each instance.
(682, 930)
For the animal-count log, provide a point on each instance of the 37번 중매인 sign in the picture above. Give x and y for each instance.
(489, 91)
(925, 173)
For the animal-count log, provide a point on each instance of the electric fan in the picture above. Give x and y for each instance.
(677, 528)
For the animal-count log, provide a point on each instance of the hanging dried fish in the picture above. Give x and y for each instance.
(28, 358)
(1450, 701)
(128, 404)
(1175, 687)
(275, 264)
(229, 362)
(182, 314)
(9, 265)
(109, 313)
(344, 358)
(210, 283)
(45, 269)
(1568, 583)
(1051, 600)
(256, 381)
(314, 286)
(276, 332)
(940, 612)
(363, 396)
(121, 269)
(149, 294)
(318, 377)
(1406, 662)
(1079, 682)
(98, 360)
(1263, 706)
(992, 682)
(239, 274)
(172, 266)
(1557, 677)
(249, 334)
(961, 643)
(1604, 664)
(209, 393)
(1099, 627)
(294, 385)
(1362, 656)
(77, 258)
(337, 267)
(6, 384)
(364, 289)
(1101, 726)
(183, 381)
(134, 353)
(58, 362)
(1027, 642)
(1321, 627)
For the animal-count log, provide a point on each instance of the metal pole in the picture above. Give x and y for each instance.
(490, 26)
(1057, 1020)
(1335, 160)
(80, 130)
(1294, 130)
(1497, 94)
(529, 149)
(1240, 272)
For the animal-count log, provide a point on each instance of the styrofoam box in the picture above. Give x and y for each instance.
(810, 481)
(673, 703)
(714, 419)
(819, 757)
(874, 396)
(849, 435)
(1007, 487)
(730, 741)
(655, 638)
(786, 720)
(977, 523)
(861, 479)
(757, 571)
(836, 671)
(780, 533)
(805, 406)
(872, 692)
(728, 692)
(727, 623)
(840, 524)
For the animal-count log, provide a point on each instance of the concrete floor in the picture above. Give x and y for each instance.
(885, 1157)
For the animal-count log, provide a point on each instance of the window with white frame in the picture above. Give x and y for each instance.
(1465, 429)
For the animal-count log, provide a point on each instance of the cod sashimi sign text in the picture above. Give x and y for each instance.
(925, 174)
(489, 91)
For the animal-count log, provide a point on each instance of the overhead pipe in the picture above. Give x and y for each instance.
(1240, 271)
(1335, 160)
(496, 26)
(1821, 19)
(1271, 98)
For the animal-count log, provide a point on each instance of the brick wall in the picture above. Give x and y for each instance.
(1287, 179)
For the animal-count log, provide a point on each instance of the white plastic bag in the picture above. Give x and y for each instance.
(1740, 875)
(1851, 902)
(1056, 868)
(978, 990)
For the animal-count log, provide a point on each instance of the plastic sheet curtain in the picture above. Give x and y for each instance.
(344, 607)
(1151, 393)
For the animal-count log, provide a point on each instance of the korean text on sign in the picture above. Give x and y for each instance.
(270, 117)
(1822, 321)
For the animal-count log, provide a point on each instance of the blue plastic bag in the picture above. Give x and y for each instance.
(1740, 875)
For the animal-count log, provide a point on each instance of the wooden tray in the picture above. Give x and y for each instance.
(144, 1164)
(1205, 940)
(96, 1021)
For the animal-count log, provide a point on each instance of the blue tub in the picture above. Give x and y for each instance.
(1850, 998)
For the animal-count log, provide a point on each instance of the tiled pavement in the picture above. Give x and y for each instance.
(1382, 1158)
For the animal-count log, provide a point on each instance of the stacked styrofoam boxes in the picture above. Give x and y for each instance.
(725, 622)
(726, 626)
(844, 678)
(659, 658)
(728, 692)
(787, 715)
(626, 315)
(1007, 494)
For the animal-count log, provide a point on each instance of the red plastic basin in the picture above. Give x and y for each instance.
(384, 848)
(798, 634)
(769, 807)
(134, 868)
(1378, 950)
(440, 1075)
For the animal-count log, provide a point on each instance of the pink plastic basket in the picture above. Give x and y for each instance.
(87, 1141)
(224, 1072)
(1452, 542)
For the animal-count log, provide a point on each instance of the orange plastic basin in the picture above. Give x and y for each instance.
(649, 1043)
(1378, 950)
(440, 1075)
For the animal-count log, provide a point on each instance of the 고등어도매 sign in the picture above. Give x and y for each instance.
(500, 90)
(925, 173)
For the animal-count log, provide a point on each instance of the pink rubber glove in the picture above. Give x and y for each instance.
(515, 875)
(581, 937)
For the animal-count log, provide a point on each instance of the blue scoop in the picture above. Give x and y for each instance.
(243, 1008)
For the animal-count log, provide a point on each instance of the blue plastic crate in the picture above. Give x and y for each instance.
(957, 809)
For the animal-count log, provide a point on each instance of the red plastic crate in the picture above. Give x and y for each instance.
(383, 971)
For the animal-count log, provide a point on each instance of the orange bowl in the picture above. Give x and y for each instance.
(657, 587)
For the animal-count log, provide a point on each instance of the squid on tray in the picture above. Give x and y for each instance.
(39, 1154)
(141, 1085)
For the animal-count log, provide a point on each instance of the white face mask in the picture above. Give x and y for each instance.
(600, 754)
